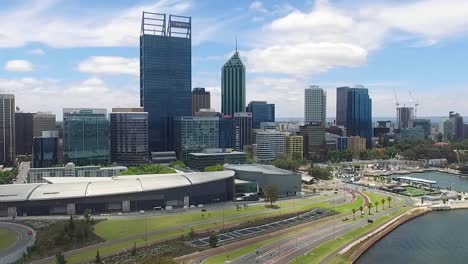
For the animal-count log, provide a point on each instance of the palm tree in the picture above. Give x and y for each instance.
(354, 211)
(361, 208)
(389, 199)
(369, 206)
(376, 206)
(383, 203)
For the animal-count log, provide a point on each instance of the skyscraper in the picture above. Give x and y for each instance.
(227, 132)
(314, 140)
(24, 133)
(315, 105)
(194, 134)
(404, 116)
(244, 125)
(165, 74)
(128, 136)
(457, 121)
(200, 100)
(233, 85)
(7, 129)
(270, 143)
(354, 111)
(261, 112)
(45, 150)
(43, 121)
(85, 136)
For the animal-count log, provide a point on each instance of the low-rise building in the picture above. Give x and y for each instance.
(208, 157)
(270, 143)
(294, 144)
(356, 145)
(36, 175)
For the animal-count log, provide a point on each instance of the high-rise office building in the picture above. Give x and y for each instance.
(457, 121)
(244, 125)
(315, 105)
(404, 116)
(194, 134)
(314, 140)
(227, 132)
(24, 133)
(200, 100)
(294, 146)
(43, 121)
(356, 145)
(425, 124)
(45, 150)
(85, 136)
(448, 129)
(233, 86)
(128, 136)
(270, 144)
(165, 75)
(354, 111)
(7, 129)
(261, 112)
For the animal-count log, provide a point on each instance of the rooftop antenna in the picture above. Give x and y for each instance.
(236, 42)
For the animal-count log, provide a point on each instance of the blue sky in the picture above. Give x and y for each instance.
(57, 53)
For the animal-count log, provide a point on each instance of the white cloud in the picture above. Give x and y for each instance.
(33, 94)
(18, 66)
(110, 65)
(258, 6)
(35, 52)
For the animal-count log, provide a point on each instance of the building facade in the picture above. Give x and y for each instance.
(24, 133)
(45, 150)
(227, 132)
(356, 145)
(270, 144)
(85, 136)
(315, 105)
(201, 99)
(294, 146)
(7, 129)
(43, 121)
(233, 86)
(194, 134)
(209, 157)
(129, 136)
(354, 111)
(404, 116)
(165, 75)
(314, 141)
(244, 124)
(425, 124)
(457, 121)
(261, 112)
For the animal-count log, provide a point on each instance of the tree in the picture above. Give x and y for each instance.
(319, 173)
(283, 162)
(60, 258)
(177, 164)
(217, 167)
(383, 203)
(271, 194)
(297, 157)
(361, 208)
(389, 199)
(192, 233)
(98, 258)
(369, 206)
(213, 240)
(134, 249)
(354, 212)
(376, 206)
(87, 215)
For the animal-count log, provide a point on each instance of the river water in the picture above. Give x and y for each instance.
(436, 237)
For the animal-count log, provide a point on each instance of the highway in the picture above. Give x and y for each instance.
(22, 241)
(288, 249)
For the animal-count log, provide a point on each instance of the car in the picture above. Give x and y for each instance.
(30, 232)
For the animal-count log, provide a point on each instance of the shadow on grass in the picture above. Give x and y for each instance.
(272, 206)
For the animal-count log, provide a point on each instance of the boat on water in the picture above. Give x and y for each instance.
(463, 169)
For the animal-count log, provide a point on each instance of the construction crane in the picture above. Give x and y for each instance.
(396, 100)
(416, 104)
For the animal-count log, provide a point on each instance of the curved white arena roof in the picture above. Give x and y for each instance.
(81, 187)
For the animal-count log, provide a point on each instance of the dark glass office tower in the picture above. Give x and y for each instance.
(200, 100)
(261, 112)
(7, 129)
(358, 112)
(45, 150)
(233, 86)
(244, 124)
(85, 136)
(24, 133)
(341, 105)
(129, 136)
(227, 132)
(165, 74)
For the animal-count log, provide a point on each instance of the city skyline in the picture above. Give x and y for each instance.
(102, 62)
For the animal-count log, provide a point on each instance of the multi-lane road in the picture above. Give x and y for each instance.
(23, 240)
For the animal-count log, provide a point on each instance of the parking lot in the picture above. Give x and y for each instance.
(250, 231)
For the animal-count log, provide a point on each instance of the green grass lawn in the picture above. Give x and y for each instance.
(322, 251)
(376, 197)
(413, 191)
(7, 238)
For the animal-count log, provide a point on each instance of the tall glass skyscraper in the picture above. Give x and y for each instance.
(357, 115)
(261, 112)
(233, 86)
(315, 105)
(85, 136)
(7, 129)
(165, 74)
